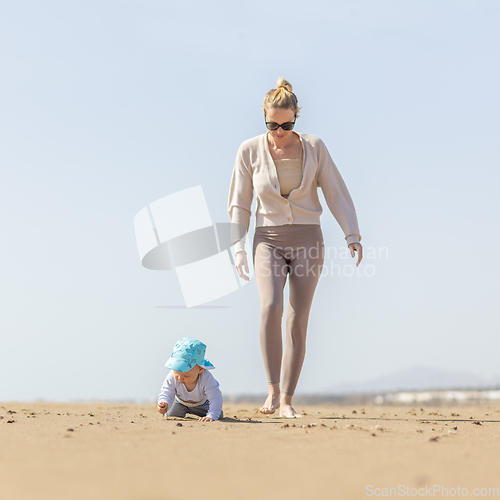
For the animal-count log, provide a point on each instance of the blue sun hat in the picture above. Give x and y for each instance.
(187, 353)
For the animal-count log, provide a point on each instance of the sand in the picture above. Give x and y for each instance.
(125, 451)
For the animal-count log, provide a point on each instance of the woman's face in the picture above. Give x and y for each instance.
(280, 115)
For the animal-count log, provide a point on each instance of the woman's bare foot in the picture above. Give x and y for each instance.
(273, 400)
(286, 409)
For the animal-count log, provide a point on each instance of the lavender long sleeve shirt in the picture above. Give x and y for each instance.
(206, 388)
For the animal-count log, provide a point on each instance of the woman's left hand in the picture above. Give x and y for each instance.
(356, 247)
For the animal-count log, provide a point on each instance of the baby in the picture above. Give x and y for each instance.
(189, 387)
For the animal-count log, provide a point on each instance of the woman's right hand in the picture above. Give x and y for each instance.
(241, 261)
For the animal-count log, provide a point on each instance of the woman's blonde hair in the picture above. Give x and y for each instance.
(281, 97)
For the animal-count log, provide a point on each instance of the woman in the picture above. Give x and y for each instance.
(286, 168)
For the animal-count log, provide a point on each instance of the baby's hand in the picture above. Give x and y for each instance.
(162, 407)
(205, 419)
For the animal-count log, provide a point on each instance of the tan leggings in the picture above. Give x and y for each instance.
(297, 250)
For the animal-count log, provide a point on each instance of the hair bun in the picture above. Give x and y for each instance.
(283, 84)
(281, 97)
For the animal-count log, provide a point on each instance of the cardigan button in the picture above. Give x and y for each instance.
(290, 219)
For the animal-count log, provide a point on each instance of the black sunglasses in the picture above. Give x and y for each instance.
(284, 126)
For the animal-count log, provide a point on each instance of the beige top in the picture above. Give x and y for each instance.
(289, 172)
(254, 169)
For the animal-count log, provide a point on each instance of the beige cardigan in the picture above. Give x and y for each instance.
(254, 168)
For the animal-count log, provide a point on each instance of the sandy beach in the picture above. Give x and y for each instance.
(127, 451)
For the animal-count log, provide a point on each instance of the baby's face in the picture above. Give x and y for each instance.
(189, 377)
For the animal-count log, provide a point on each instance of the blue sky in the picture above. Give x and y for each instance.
(110, 105)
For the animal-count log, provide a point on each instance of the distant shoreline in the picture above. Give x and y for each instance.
(448, 397)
